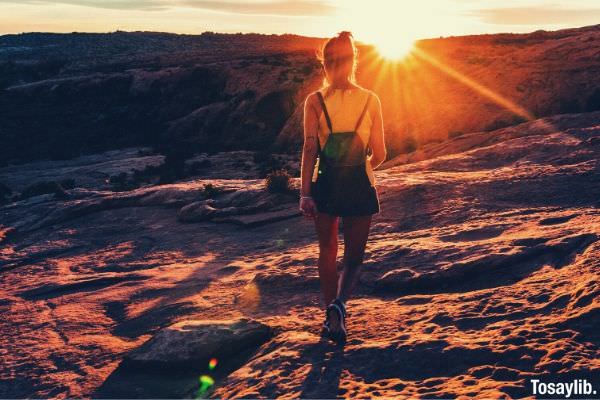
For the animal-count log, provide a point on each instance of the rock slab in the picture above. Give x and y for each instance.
(191, 342)
(168, 364)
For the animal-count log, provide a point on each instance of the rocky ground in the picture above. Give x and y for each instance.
(481, 273)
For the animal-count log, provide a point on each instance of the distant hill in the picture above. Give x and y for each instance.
(63, 95)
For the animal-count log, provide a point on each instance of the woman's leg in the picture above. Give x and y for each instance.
(327, 231)
(356, 232)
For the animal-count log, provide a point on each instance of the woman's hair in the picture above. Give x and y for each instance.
(339, 58)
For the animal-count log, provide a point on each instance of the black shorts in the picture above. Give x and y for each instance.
(345, 191)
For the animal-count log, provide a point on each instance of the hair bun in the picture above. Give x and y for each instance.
(345, 35)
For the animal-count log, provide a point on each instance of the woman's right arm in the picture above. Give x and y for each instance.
(309, 149)
(377, 139)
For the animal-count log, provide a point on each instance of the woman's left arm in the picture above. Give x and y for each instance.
(377, 138)
(309, 149)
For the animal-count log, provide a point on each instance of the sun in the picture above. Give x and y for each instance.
(392, 30)
(394, 49)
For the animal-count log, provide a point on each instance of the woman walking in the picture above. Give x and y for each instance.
(343, 144)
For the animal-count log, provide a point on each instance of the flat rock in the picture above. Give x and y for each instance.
(285, 280)
(396, 278)
(263, 218)
(197, 341)
(197, 212)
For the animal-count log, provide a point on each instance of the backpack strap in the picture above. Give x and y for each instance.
(364, 111)
(324, 107)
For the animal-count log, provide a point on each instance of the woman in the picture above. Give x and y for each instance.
(342, 121)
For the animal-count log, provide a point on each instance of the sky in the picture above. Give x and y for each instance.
(371, 21)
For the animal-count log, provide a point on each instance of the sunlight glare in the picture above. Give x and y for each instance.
(392, 33)
(395, 49)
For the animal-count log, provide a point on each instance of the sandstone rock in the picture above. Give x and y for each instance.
(169, 364)
(396, 278)
(273, 281)
(261, 218)
(189, 343)
(197, 211)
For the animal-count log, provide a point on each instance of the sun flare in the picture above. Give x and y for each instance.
(393, 34)
(395, 49)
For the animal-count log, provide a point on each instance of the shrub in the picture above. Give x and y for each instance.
(210, 191)
(278, 181)
(122, 182)
(503, 123)
(39, 188)
(409, 144)
(5, 193)
(174, 166)
(147, 173)
(266, 163)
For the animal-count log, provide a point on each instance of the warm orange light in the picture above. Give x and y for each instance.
(395, 48)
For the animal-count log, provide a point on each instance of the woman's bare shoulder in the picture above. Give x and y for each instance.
(369, 92)
(374, 102)
(311, 98)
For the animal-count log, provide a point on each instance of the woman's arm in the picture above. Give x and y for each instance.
(377, 139)
(309, 149)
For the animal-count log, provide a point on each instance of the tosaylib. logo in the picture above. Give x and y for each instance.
(566, 389)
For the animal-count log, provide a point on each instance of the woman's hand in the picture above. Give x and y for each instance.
(307, 206)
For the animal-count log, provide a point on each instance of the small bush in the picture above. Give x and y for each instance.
(5, 193)
(147, 173)
(174, 166)
(409, 144)
(266, 163)
(503, 123)
(122, 182)
(210, 191)
(278, 181)
(39, 188)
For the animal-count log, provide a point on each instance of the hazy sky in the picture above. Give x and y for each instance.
(368, 19)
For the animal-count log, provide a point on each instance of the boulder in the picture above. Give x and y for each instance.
(168, 365)
(396, 278)
(195, 342)
(258, 219)
(197, 211)
(271, 281)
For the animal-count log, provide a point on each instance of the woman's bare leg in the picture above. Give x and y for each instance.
(356, 233)
(327, 231)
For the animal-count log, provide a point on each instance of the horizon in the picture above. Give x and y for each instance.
(371, 23)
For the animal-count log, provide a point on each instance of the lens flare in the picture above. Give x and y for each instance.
(212, 363)
(394, 49)
(205, 383)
